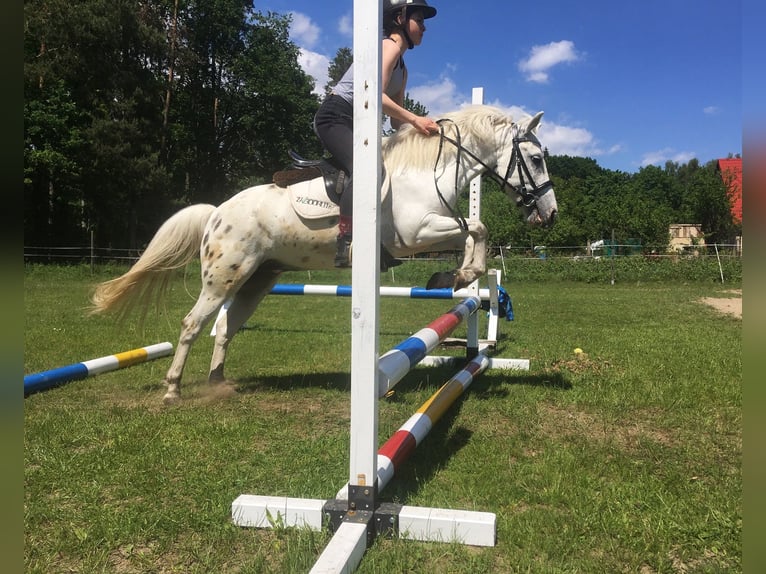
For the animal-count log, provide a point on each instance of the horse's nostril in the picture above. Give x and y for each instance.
(551, 219)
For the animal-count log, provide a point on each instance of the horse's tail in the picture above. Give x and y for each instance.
(176, 243)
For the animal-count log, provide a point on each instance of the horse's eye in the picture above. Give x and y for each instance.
(537, 160)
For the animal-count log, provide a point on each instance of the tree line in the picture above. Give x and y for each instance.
(636, 208)
(136, 108)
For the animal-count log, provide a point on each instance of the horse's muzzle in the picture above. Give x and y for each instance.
(551, 220)
(536, 219)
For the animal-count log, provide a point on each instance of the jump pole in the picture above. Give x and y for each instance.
(345, 550)
(385, 291)
(489, 294)
(41, 381)
(349, 543)
(400, 360)
(400, 446)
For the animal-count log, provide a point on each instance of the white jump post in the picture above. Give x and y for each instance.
(349, 543)
(474, 212)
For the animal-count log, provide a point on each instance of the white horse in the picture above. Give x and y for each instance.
(249, 240)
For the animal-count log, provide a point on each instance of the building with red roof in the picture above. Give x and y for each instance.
(731, 173)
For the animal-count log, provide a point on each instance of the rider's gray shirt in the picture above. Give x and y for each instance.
(345, 87)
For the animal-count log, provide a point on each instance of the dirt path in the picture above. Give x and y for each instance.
(728, 305)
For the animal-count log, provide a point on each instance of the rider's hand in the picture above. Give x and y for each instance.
(425, 126)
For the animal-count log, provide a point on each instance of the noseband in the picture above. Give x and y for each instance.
(527, 197)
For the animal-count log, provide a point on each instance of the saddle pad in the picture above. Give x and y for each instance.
(309, 200)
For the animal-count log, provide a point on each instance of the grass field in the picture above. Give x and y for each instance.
(626, 458)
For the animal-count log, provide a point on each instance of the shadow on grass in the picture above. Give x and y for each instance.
(334, 330)
(445, 438)
(486, 386)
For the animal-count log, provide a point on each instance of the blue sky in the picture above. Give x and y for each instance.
(627, 83)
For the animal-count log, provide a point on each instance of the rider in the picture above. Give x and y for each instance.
(403, 28)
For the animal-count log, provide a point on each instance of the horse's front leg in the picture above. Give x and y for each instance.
(474, 263)
(441, 233)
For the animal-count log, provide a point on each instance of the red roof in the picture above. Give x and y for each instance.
(731, 173)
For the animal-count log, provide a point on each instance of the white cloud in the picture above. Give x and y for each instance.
(315, 65)
(542, 58)
(661, 156)
(346, 26)
(711, 110)
(560, 139)
(303, 31)
(566, 140)
(438, 98)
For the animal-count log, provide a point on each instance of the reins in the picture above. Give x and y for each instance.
(455, 212)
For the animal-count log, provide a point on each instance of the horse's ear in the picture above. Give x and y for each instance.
(533, 123)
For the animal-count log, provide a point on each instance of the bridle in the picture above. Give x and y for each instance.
(527, 197)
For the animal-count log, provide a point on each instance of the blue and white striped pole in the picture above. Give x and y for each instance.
(385, 291)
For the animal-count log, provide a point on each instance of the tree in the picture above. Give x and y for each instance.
(414, 106)
(343, 59)
(96, 60)
(53, 142)
(710, 205)
(135, 109)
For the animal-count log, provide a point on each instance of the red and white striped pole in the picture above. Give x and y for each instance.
(400, 360)
(403, 442)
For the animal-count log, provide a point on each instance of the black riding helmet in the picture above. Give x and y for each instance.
(392, 7)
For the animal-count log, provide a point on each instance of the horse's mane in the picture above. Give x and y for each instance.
(408, 148)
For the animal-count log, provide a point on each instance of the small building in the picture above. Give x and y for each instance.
(684, 236)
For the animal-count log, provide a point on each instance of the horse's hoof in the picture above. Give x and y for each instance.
(441, 280)
(460, 282)
(215, 376)
(171, 399)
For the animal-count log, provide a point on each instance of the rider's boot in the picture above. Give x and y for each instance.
(343, 243)
(343, 250)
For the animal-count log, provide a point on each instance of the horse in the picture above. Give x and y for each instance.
(249, 240)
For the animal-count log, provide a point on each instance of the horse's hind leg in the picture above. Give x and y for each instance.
(240, 309)
(205, 307)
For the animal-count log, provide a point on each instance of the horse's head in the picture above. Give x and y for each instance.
(526, 177)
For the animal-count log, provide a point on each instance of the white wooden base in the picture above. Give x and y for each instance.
(344, 552)
(349, 543)
(443, 525)
(494, 363)
(269, 511)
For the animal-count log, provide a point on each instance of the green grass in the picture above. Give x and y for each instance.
(624, 459)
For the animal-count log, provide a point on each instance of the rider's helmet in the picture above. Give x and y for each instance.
(392, 8)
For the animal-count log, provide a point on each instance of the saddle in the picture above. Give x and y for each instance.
(306, 169)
